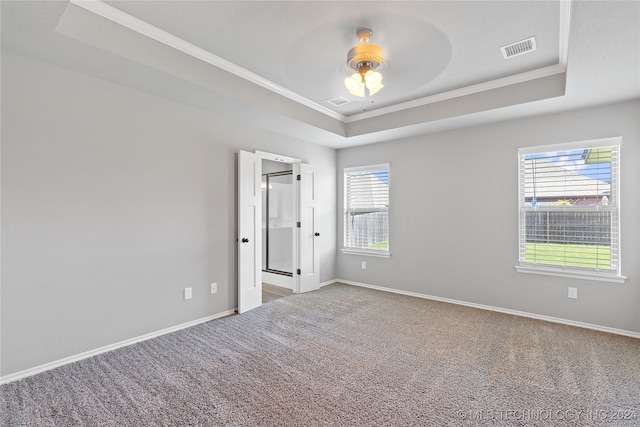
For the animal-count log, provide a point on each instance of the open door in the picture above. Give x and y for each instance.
(249, 231)
(308, 235)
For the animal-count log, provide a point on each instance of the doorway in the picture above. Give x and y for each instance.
(278, 224)
(304, 236)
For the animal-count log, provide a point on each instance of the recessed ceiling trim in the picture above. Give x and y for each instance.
(113, 14)
(464, 91)
(563, 39)
(561, 67)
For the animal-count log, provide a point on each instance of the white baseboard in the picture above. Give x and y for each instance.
(57, 363)
(51, 365)
(498, 309)
(329, 282)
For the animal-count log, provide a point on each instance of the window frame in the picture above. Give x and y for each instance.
(362, 251)
(568, 271)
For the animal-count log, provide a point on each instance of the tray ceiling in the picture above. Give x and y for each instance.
(280, 62)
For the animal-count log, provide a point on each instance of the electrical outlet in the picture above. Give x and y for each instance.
(214, 287)
(364, 265)
(573, 293)
(187, 293)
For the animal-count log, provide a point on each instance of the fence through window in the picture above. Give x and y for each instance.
(366, 213)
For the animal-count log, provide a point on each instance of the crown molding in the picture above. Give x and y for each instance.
(563, 35)
(464, 91)
(560, 67)
(119, 17)
(115, 15)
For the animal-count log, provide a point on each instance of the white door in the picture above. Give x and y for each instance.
(308, 235)
(249, 231)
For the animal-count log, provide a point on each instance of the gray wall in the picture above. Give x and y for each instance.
(454, 217)
(113, 201)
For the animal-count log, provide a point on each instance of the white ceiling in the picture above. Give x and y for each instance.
(275, 64)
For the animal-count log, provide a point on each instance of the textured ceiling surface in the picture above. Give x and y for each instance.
(444, 65)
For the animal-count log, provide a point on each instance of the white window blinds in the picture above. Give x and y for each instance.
(366, 209)
(569, 207)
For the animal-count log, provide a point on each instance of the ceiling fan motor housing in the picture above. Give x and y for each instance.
(365, 57)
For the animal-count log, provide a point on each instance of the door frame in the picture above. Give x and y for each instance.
(247, 298)
(295, 170)
(302, 229)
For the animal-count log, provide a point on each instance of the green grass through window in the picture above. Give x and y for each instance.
(380, 246)
(586, 256)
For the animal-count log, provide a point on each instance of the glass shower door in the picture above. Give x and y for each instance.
(278, 218)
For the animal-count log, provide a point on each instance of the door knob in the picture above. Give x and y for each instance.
(317, 234)
(245, 240)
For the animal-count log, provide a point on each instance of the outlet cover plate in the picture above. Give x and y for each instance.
(214, 287)
(187, 293)
(573, 293)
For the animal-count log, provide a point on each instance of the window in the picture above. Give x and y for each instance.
(366, 210)
(569, 210)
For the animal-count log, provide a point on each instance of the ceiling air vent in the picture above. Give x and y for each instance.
(338, 101)
(519, 48)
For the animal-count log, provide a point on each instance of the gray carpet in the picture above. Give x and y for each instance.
(346, 356)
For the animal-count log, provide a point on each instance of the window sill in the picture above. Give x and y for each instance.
(601, 277)
(365, 252)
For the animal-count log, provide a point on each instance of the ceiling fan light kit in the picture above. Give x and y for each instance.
(365, 59)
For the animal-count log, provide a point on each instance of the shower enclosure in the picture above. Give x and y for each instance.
(278, 223)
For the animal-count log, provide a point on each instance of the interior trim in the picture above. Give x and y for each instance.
(558, 272)
(277, 157)
(464, 91)
(115, 15)
(61, 362)
(563, 36)
(328, 282)
(498, 309)
(66, 360)
(364, 252)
